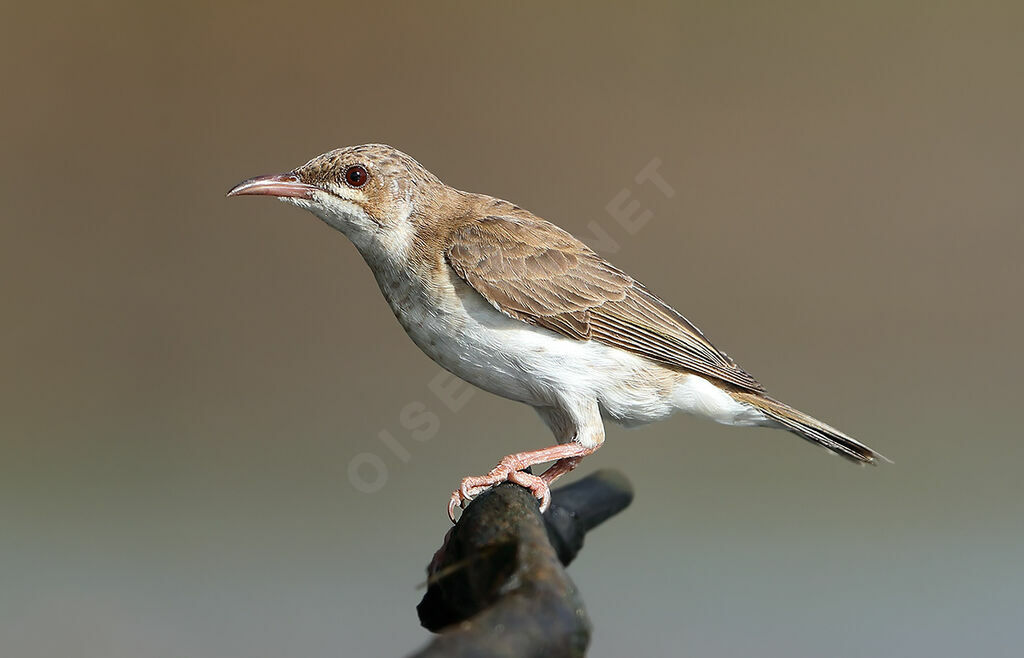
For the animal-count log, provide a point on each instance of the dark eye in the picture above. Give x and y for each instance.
(356, 175)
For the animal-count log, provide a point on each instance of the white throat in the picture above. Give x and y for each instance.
(381, 244)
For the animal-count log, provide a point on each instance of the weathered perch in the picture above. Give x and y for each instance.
(497, 586)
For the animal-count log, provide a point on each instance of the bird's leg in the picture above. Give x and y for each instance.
(511, 468)
(560, 468)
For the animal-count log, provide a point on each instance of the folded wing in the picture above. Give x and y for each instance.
(535, 272)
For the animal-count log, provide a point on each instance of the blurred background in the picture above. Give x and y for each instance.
(187, 379)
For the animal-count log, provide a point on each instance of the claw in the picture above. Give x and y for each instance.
(545, 500)
(456, 501)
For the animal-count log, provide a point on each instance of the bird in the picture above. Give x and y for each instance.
(517, 306)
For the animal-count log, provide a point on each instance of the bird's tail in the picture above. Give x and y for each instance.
(811, 429)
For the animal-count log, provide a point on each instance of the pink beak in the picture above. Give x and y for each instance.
(279, 185)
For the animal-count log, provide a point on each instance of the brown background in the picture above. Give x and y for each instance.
(185, 378)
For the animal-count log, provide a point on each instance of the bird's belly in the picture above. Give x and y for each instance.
(536, 366)
(503, 361)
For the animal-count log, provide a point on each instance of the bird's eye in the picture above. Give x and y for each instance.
(356, 175)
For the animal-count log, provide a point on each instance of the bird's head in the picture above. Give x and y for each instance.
(367, 192)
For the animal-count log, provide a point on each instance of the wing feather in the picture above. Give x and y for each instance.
(535, 272)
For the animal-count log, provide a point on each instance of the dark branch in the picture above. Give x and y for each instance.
(497, 586)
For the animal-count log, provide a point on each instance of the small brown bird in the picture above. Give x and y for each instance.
(520, 308)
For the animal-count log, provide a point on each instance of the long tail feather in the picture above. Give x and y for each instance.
(812, 429)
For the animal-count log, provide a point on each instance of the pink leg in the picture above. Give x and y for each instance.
(566, 457)
(560, 468)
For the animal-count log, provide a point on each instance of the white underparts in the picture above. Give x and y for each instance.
(580, 382)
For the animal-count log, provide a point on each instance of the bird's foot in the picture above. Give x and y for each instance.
(566, 457)
(509, 469)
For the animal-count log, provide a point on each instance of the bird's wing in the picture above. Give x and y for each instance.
(535, 272)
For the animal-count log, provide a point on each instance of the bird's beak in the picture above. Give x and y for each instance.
(279, 185)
